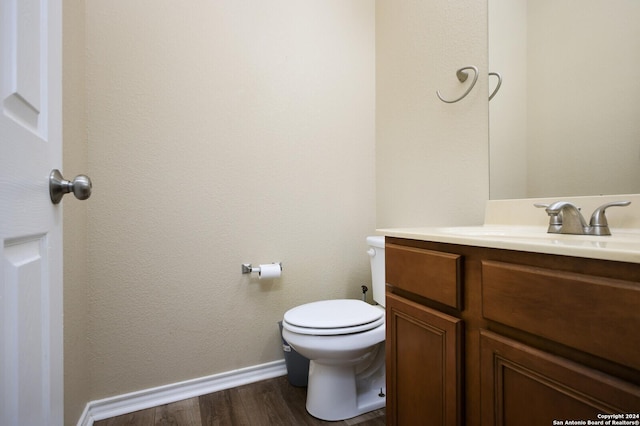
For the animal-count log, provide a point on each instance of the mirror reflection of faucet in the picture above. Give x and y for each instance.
(565, 218)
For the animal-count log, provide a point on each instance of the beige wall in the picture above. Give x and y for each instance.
(75, 151)
(228, 132)
(221, 133)
(432, 157)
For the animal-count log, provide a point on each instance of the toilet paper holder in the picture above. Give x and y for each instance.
(247, 268)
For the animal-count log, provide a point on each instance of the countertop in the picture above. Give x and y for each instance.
(623, 246)
(517, 225)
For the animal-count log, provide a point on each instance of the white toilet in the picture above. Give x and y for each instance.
(344, 341)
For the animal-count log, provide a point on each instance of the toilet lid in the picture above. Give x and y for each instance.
(334, 317)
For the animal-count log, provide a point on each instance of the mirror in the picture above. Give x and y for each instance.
(566, 121)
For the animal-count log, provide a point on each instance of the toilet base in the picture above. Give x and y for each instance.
(339, 392)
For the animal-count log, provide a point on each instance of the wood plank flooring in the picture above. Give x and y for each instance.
(272, 402)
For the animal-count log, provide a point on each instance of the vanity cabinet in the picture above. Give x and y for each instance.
(482, 336)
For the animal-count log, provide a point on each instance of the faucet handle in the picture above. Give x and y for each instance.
(555, 219)
(599, 220)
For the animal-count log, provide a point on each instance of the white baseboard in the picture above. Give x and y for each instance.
(128, 403)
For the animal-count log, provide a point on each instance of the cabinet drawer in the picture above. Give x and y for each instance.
(596, 315)
(431, 274)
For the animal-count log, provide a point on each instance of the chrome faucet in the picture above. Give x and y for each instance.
(565, 218)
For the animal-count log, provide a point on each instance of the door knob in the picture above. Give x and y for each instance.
(58, 186)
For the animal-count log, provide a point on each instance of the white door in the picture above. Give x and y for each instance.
(31, 380)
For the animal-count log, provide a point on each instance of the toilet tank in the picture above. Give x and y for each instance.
(376, 255)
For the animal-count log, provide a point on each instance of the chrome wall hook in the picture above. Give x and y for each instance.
(462, 77)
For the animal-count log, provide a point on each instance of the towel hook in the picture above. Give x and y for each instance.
(497, 85)
(462, 77)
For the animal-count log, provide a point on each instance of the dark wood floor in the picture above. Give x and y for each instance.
(272, 402)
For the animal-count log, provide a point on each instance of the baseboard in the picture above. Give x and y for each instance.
(128, 403)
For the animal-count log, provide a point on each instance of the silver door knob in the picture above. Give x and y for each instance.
(80, 186)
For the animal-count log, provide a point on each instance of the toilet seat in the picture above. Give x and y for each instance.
(333, 317)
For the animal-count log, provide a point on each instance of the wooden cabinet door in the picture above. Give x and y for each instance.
(424, 361)
(521, 385)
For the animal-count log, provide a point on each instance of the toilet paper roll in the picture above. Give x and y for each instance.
(270, 270)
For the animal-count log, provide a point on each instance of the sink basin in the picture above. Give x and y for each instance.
(539, 235)
(496, 231)
(537, 232)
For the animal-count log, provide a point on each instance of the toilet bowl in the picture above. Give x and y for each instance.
(344, 341)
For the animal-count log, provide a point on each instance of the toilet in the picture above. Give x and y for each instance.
(344, 341)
